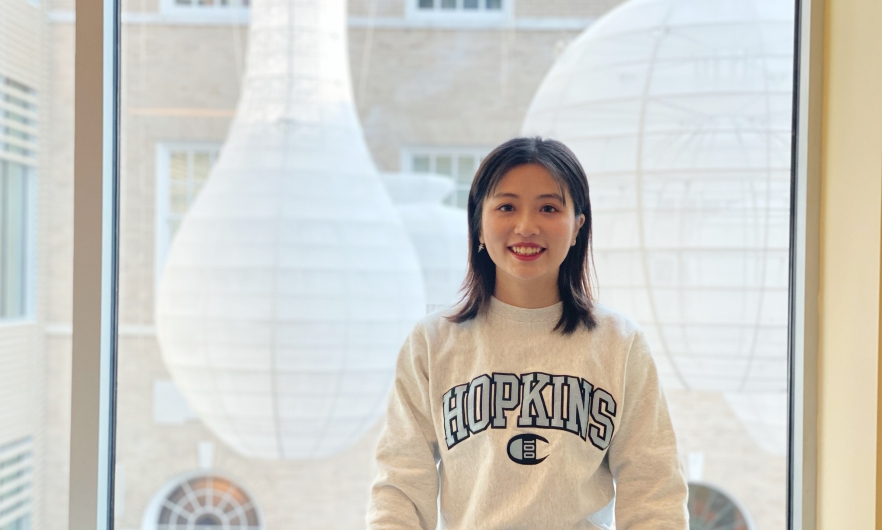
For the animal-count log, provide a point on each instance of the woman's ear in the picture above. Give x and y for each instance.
(579, 224)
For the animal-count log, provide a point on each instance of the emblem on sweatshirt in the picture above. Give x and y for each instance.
(536, 400)
(523, 449)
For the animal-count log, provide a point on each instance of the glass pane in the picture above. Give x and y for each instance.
(462, 198)
(13, 237)
(256, 367)
(173, 224)
(201, 165)
(36, 261)
(465, 169)
(421, 164)
(178, 166)
(444, 165)
(178, 198)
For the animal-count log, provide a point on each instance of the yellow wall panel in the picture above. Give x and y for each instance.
(851, 210)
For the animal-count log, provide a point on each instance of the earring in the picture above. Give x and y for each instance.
(481, 247)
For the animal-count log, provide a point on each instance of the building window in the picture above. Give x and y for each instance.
(460, 164)
(492, 6)
(18, 160)
(16, 483)
(206, 9)
(182, 169)
(15, 206)
(211, 4)
(207, 502)
(712, 509)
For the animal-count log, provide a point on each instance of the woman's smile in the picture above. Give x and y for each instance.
(526, 251)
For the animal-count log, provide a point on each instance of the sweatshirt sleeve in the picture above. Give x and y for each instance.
(651, 493)
(404, 494)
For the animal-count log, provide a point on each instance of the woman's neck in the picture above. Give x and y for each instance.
(529, 294)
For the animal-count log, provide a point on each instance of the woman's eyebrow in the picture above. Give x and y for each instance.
(543, 196)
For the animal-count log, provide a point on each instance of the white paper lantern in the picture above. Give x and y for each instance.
(291, 283)
(439, 233)
(680, 112)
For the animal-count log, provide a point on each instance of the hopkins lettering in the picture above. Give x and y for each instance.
(493, 401)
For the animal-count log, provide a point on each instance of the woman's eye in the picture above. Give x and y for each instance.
(506, 208)
(548, 209)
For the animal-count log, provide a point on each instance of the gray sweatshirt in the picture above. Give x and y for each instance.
(520, 427)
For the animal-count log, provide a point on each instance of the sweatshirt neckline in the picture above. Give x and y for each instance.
(521, 314)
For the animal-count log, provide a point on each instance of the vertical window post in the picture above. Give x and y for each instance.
(96, 177)
(805, 211)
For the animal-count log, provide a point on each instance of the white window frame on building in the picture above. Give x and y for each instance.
(220, 9)
(18, 187)
(446, 160)
(161, 501)
(459, 9)
(165, 216)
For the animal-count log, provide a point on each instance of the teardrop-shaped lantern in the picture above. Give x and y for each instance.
(439, 232)
(291, 283)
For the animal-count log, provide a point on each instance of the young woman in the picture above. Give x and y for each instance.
(528, 406)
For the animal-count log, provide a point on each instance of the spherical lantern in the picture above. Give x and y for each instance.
(680, 112)
(439, 233)
(291, 283)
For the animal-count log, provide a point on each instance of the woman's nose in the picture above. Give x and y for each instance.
(526, 225)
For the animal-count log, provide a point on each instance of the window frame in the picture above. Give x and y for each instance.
(154, 506)
(216, 13)
(95, 264)
(414, 12)
(162, 240)
(805, 253)
(96, 244)
(408, 153)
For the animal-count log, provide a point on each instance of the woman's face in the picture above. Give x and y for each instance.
(527, 226)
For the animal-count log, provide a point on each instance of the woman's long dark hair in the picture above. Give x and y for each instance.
(574, 278)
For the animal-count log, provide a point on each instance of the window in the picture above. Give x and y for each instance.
(460, 5)
(207, 502)
(181, 170)
(14, 245)
(266, 319)
(458, 11)
(711, 509)
(457, 163)
(208, 8)
(18, 158)
(16, 472)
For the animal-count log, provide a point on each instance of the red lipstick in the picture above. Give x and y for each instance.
(535, 251)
